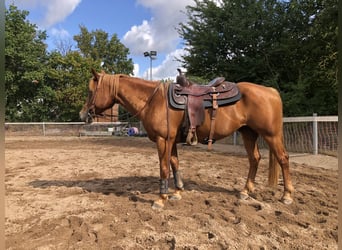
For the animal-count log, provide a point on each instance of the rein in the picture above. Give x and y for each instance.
(148, 100)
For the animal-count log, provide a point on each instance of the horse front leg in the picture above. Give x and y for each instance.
(179, 186)
(164, 153)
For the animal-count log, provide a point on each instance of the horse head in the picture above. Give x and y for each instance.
(99, 98)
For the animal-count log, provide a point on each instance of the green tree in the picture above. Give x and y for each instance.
(321, 66)
(25, 57)
(232, 39)
(288, 45)
(52, 86)
(307, 85)
(65, 85)
(109, 51)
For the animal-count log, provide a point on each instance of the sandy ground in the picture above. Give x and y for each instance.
(96, 193)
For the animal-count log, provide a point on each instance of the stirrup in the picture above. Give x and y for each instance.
(192, 139)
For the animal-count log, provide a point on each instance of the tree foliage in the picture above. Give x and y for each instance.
(289, 45)
(52, 86)
(66, 80)
(98, 46)
(25, 56)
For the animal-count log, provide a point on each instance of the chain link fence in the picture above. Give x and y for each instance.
(309, 134)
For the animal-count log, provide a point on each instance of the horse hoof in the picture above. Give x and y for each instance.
(244, 196)
(175, 197)
(159, 204)
(287, 201)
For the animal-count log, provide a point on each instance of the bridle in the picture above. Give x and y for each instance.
(115, 86)
(91, 104)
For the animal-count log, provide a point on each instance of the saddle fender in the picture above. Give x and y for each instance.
(194, 99)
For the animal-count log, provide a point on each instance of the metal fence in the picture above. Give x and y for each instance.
(310, 134)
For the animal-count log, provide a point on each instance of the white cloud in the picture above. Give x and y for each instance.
(60, 33)
(54, 10)
(139, 38)
(160, 32)
(58, 10)
(168, 68)
(136, 70)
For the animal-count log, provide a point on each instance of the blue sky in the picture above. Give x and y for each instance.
(141, 25)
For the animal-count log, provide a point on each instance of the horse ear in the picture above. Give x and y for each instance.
(95, 74)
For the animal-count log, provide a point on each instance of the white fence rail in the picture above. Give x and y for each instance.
(68, 128)
(309, 134)
(43, 128)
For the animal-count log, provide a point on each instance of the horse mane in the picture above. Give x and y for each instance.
(111, 81)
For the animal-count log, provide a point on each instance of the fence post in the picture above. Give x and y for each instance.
(314, 134)
(44, 128)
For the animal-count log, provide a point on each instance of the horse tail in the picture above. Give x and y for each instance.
(273, 171)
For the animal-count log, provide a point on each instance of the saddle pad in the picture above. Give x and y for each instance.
(179, 101)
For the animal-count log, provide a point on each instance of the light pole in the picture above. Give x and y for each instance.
(152, 55)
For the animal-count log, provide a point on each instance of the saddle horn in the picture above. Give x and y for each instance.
(181, 79)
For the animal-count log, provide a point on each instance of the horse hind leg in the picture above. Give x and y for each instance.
(249, 138)
(278, 151)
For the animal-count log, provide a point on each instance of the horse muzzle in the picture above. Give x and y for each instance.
(86, 117)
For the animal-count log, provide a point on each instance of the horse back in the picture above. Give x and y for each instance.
(259, 95)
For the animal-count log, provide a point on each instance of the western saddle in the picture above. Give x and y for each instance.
(195, 98)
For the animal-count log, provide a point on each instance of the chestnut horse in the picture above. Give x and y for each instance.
(258, 112)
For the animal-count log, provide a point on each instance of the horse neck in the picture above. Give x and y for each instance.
(134, 93)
